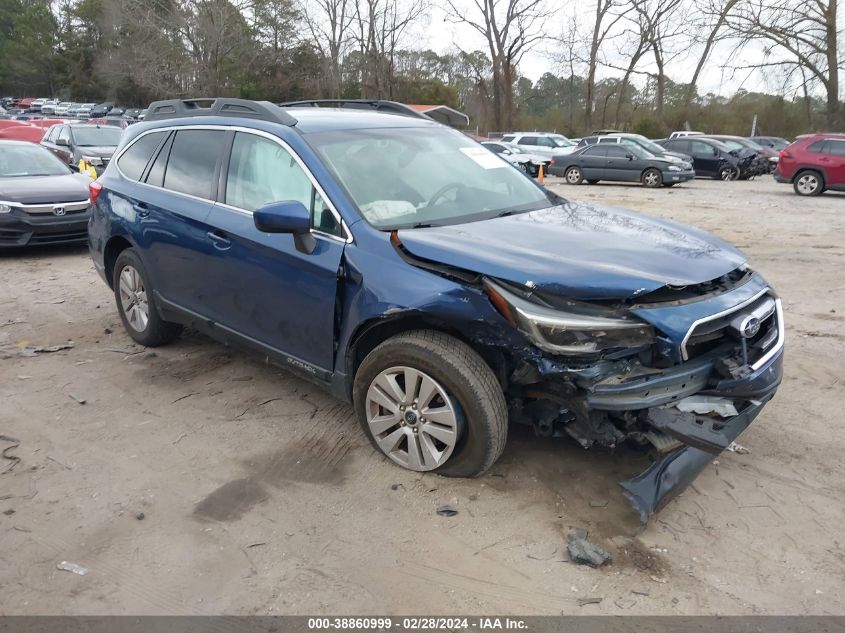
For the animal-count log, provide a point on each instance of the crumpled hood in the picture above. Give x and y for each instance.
(44, 189)
(579, 250)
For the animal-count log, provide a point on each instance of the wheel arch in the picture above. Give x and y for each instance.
(114, 247)
(373, 332)
(814, 168)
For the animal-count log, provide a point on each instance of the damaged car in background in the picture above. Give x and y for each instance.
(412, 272)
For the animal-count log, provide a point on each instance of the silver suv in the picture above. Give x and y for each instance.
(543, 143)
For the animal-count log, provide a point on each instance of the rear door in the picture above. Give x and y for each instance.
(834, 162)
(593, 161)
(177, 174)
(272, 290)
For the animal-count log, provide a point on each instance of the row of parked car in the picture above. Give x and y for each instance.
(12, 106)
(813, 164)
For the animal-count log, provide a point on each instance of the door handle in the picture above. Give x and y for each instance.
(141, 209)
(220, 241)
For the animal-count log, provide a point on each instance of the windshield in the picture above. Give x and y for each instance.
(29, 160)
(646, 144)
(561, 141)
(411, 177)
(92, 136)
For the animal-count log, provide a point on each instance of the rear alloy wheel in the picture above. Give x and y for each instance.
(574, 176)
(429, 402)
(523, 167)
(808, 183)
(652, 178)
(136, 303)
(728, 173)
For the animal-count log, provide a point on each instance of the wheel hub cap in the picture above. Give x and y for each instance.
(412, 418)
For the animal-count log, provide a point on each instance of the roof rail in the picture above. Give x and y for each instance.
(178, 108)
(380, 105)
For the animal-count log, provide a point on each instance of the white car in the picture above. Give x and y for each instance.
(515, 155)
(542, 143)
(683, 133)
(84, 111)
(49, 107)
(62, 108)
(35, 106)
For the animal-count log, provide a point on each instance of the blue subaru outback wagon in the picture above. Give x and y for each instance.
(410, 271)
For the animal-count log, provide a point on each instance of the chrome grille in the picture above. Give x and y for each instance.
(43, 209)
(757, 325)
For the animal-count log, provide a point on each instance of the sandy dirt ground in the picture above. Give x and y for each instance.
(196, 480)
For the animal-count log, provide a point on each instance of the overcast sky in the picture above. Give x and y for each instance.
(441, 35)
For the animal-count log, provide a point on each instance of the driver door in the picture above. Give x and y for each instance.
(272, 291)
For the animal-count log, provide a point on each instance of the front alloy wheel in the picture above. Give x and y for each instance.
(412, 418)
(728, 173)
(429, 402)
(652, 178)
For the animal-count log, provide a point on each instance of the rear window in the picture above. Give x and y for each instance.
(134, 160)
(193, 159)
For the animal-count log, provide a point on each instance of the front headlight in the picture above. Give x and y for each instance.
(570, 332)
(675, 168)
(5, 208)
(93, 160)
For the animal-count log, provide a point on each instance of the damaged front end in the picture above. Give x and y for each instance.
(682, 371)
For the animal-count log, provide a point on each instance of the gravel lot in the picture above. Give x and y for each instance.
(196, 480)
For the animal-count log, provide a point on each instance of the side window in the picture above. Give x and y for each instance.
(702, 149)
(837, 148)
(817, 147)
(607, 139)
(545, 141)
(595, 150)
(262, 171)
(528, 140)
(51, 135)
(134, 160)
(508, 138)
(616, 151)
(193, 158)
(156, 175)
(64, 134)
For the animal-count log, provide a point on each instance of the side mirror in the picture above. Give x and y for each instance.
(62, 142)
(289, 216)
(629, 156)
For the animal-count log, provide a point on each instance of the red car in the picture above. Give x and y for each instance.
(813, 164)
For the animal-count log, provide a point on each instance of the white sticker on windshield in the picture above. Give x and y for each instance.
(484, 157)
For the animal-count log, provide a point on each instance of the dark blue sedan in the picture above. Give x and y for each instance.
(415, 274)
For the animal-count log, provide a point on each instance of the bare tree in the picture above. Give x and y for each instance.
(329, 23)
(801, 36)
(715, 14)
(511, 28)
(662, 26)
(607, 15)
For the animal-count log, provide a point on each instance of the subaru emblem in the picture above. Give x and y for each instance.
(750, 327)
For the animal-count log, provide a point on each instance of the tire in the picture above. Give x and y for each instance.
(523, 167)
(808, 183)
(454, 369)
(652, 178)
(574, 176)
(136, 303)
(728, 173)
(592, 182)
